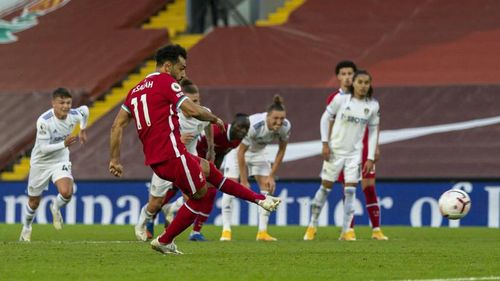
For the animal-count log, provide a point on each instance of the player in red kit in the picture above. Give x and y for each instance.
(226, 140)
(153, 105)
(345, 71)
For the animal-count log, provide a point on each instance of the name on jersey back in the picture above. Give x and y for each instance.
(145, 85)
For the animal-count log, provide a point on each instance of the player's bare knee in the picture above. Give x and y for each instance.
(154, 204)
(67, 194)
(34, 202)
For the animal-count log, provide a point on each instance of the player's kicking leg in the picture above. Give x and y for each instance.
(215, 177)
(201, 197)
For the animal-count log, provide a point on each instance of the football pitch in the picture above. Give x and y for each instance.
(94, 252)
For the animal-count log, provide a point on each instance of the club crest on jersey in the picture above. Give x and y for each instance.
(367, 111)
(43, 129)
(176, 87)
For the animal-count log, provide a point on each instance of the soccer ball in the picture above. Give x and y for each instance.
(454, 204)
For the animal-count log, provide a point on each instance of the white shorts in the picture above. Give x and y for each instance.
(159, 186)
(39, 177)
(350, 165)
(256, 162)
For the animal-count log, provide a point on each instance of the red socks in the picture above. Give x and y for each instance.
(372, 205)
(198, 223)
(187, 214)
(182, 220)
(201, 219)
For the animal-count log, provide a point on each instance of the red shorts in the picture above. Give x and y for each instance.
(371, 175)
(184, 172)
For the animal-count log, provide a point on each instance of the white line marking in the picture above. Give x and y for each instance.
(456, 279)
(75, 242)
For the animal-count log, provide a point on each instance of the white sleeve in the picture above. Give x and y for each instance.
(375, 116)
(43, 138)
(331, 110)
(373, 125)
(84, 112)
(46, 147)
(325, 125)
(42, 130)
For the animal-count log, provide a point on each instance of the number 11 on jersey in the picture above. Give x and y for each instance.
(144, 110)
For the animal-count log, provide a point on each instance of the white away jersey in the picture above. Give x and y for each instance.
(193, 126)
(50, 135)
(351, 118)
(259, 134)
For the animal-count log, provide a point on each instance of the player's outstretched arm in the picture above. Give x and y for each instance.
(121, 121)
(200, 113)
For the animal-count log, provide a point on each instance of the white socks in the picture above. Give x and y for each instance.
(263, 216)
(318, 203)
(29, 216)
(144, 216)
(227, 211)
(350, 197)
(61, 201)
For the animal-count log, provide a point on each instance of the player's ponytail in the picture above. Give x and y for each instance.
(277, 104)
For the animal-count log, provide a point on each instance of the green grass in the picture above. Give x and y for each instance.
(83, 252)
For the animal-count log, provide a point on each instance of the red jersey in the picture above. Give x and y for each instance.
(153, 105)
(365, 138)
(222, 143)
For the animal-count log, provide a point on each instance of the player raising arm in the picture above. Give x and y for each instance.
(50, 157)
